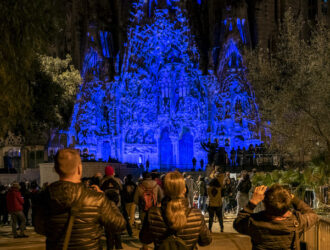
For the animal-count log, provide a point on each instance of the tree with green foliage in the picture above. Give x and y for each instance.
(27, 28)
(54, 90)
(292, 87)
(314, 176)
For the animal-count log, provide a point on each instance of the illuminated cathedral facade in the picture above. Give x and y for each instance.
(160, 107)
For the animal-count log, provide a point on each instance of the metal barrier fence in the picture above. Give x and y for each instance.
(318, 237)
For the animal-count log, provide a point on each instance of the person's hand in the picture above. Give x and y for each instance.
(258, 195)
(96, 188)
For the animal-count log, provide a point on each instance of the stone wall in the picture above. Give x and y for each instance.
(48, 174)
(27, 175)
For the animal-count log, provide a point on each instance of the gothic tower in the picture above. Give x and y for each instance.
(235, 119)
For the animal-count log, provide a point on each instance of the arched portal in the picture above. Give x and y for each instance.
(165, 150)
(186, 150)
(106, 150)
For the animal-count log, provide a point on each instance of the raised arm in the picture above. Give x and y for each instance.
(307, 217)
(241, 223)
(111, 217)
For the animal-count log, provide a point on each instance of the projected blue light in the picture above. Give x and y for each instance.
(240, 26)
(232, 55)
(105, 37)
(160, 107)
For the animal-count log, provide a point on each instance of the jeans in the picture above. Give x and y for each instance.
(225, 204)
(125, 215)
(242, 200)
(190, 197)
(218, 212)
(130, 208)
(17, 216)
(202, 203)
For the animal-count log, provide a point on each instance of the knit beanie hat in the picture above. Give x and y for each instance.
(109, 171)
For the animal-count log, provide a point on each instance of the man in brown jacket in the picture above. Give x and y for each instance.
(215, 200)
(277, 227)
(148, 184)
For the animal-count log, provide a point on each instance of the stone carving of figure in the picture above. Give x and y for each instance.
(238, 111)
(130, 136)
(149, 138)
(180, 104)
(138, 138)
(166, 104)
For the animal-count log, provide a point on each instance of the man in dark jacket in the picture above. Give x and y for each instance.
(15, 203)
(243, 188)
(277, 227)
(128, 198)
(92, 209)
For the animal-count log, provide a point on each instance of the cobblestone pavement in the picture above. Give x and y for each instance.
(229, 240)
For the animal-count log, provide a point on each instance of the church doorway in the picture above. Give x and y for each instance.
(165, 150)
(186, 150)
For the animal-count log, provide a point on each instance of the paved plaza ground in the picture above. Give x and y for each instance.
(228, 240)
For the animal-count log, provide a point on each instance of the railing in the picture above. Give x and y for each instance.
(318, 237)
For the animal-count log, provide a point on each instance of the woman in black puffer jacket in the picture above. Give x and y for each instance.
(188, 224)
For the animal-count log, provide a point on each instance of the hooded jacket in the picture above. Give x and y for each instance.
(267, 233)
(155, 230)
(93, 212)
(14, 200)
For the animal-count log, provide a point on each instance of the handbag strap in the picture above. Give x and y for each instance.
(296, 242)
(73, 212)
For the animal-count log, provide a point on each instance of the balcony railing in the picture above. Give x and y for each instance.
(318, 237)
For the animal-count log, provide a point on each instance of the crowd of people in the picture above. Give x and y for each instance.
(171, 208)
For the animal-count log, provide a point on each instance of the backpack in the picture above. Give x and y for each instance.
(112, 195)
(111, 184)
(111, 190)
(172, 242)
(148, 198)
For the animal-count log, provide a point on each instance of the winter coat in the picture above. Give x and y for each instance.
(244, 186)
(154, 228)
(129, 191)
(14, 200)
(94, 211)
(214, 193)
(190, 185)
(267, 233)
(228, 189)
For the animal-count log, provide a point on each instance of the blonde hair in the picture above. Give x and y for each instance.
(175, 188)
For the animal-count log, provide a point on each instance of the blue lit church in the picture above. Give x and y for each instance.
(159, 108)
